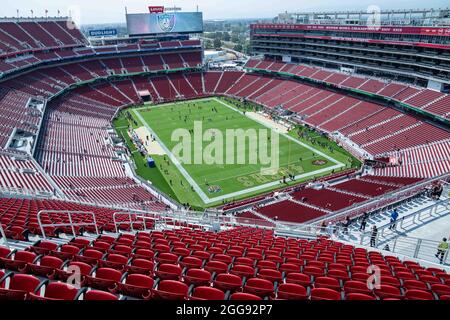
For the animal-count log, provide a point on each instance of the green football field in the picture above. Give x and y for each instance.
(206, 184)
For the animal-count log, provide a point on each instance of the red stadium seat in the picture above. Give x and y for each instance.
(20, 286)
(223, 258)
(299, 278)
(243, 271)
(207, 293)
(47, 266)
(430, 279)
(170, 290)
(289, 267)
(101, 246)
(121, 249)
(315, 264)
(418, 295)
(259, 287)
(89, 256)
(414, 284)
(362, 277)
(227, 282)
(390, 281)
(136, 285)
(405, 276)
(169, 272)
(80, 242)
(107, 239)
(327, 282)
(202, 255)
(359, 296)
(99, 295)
(166, 257)
(84, 269)
(440, 289)
(353, 286)
(43, 247)
(387, 291)
(2, 283)
(66, 251)
(4, 252)
(56, 291)
(191, 262)
(216, 266)
(141, 266)
(443, 276)
(291, 291)
(245, 296)
(338, 274)
(114, 261)
(146, 254)
(104, 279)
(197, 277)
(313, 271)
(270, 274)
(19, 260)
(244, 261)
(267, 264)
(324, 294)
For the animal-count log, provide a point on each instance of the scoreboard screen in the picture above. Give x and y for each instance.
(159, 23)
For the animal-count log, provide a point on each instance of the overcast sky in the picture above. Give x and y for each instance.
(106, 11)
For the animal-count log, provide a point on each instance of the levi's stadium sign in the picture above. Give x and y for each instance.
(156, 9)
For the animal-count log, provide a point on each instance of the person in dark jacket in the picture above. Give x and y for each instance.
(363, 225)
(373, 236)
(346, 225)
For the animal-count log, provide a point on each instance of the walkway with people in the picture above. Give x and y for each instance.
(428, 229)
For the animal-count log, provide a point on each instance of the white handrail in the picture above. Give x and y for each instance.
(2, 232)
(138, 215)
(382, 201)
(442, 205)
(70, 224)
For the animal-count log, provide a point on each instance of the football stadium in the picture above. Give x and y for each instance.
(139, 163)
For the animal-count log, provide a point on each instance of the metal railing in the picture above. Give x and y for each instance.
(2, 233)
(416, 248)
(414, 218)
(434, 210)
(24, 192)
(204, 219)
(71, 223)
(139, 217)
(423, 249)
(382, 201)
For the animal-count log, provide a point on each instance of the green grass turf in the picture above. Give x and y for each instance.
(294, 158)
(152, 175)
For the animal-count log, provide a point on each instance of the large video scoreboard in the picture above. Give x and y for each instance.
(163, 23)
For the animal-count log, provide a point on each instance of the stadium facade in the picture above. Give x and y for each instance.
(407, 49)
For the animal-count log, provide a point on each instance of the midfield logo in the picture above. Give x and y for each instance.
(262, 147)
